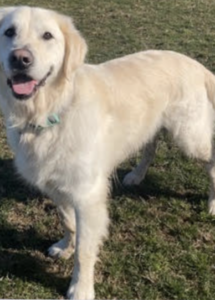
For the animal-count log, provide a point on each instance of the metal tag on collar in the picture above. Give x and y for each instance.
(52, 120)
(35, 128)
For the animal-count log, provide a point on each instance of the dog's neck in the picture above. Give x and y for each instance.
(51, 121)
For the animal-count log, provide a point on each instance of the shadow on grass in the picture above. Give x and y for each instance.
(29, 239)
(22, 256)
(18, 247)
(12, 186)
(154, 186)
(29, 267)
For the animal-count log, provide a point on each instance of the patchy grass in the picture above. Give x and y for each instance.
(161, 243)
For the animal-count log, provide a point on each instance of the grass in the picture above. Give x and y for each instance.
(161, 243)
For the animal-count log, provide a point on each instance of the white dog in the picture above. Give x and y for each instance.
(70, 124)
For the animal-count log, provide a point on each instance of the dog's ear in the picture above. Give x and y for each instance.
(75, 46)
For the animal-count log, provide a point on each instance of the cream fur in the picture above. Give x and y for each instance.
(107, 112)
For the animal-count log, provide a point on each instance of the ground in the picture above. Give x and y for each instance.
(161, 244)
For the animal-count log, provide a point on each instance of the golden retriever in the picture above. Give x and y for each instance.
(70, 123)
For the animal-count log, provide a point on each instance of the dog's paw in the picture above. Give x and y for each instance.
(61, 250)
(212, 207)
(80, 291)
(132, 179)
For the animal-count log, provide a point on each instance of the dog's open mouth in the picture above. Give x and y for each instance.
(24, 87)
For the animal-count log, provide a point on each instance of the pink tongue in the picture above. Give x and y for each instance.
(24, 88)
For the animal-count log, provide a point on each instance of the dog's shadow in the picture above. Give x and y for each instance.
(11, 185)
(23, 253)
(25, 260)
(153, 186)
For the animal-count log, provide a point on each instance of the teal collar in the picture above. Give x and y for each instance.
(51, 121)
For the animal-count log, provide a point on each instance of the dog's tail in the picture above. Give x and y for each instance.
(210, 86)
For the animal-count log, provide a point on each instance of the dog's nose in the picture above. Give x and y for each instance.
(20, 59)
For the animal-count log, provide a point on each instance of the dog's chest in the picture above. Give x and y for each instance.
(41, 159)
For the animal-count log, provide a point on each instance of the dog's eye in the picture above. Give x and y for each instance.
(47, 36)
(10, 32)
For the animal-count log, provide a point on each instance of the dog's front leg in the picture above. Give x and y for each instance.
(91, 227)
(66, 246)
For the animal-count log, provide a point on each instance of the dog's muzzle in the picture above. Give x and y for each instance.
(24, 86)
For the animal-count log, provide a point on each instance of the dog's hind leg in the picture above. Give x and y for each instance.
(198, 144)
(66, 246)
(138, 174)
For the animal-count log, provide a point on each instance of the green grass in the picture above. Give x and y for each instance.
(162, 243)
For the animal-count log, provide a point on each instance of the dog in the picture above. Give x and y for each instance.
(70, 123)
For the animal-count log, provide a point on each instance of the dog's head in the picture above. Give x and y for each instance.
(36, 47)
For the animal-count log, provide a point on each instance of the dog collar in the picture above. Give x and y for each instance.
(51, 121)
